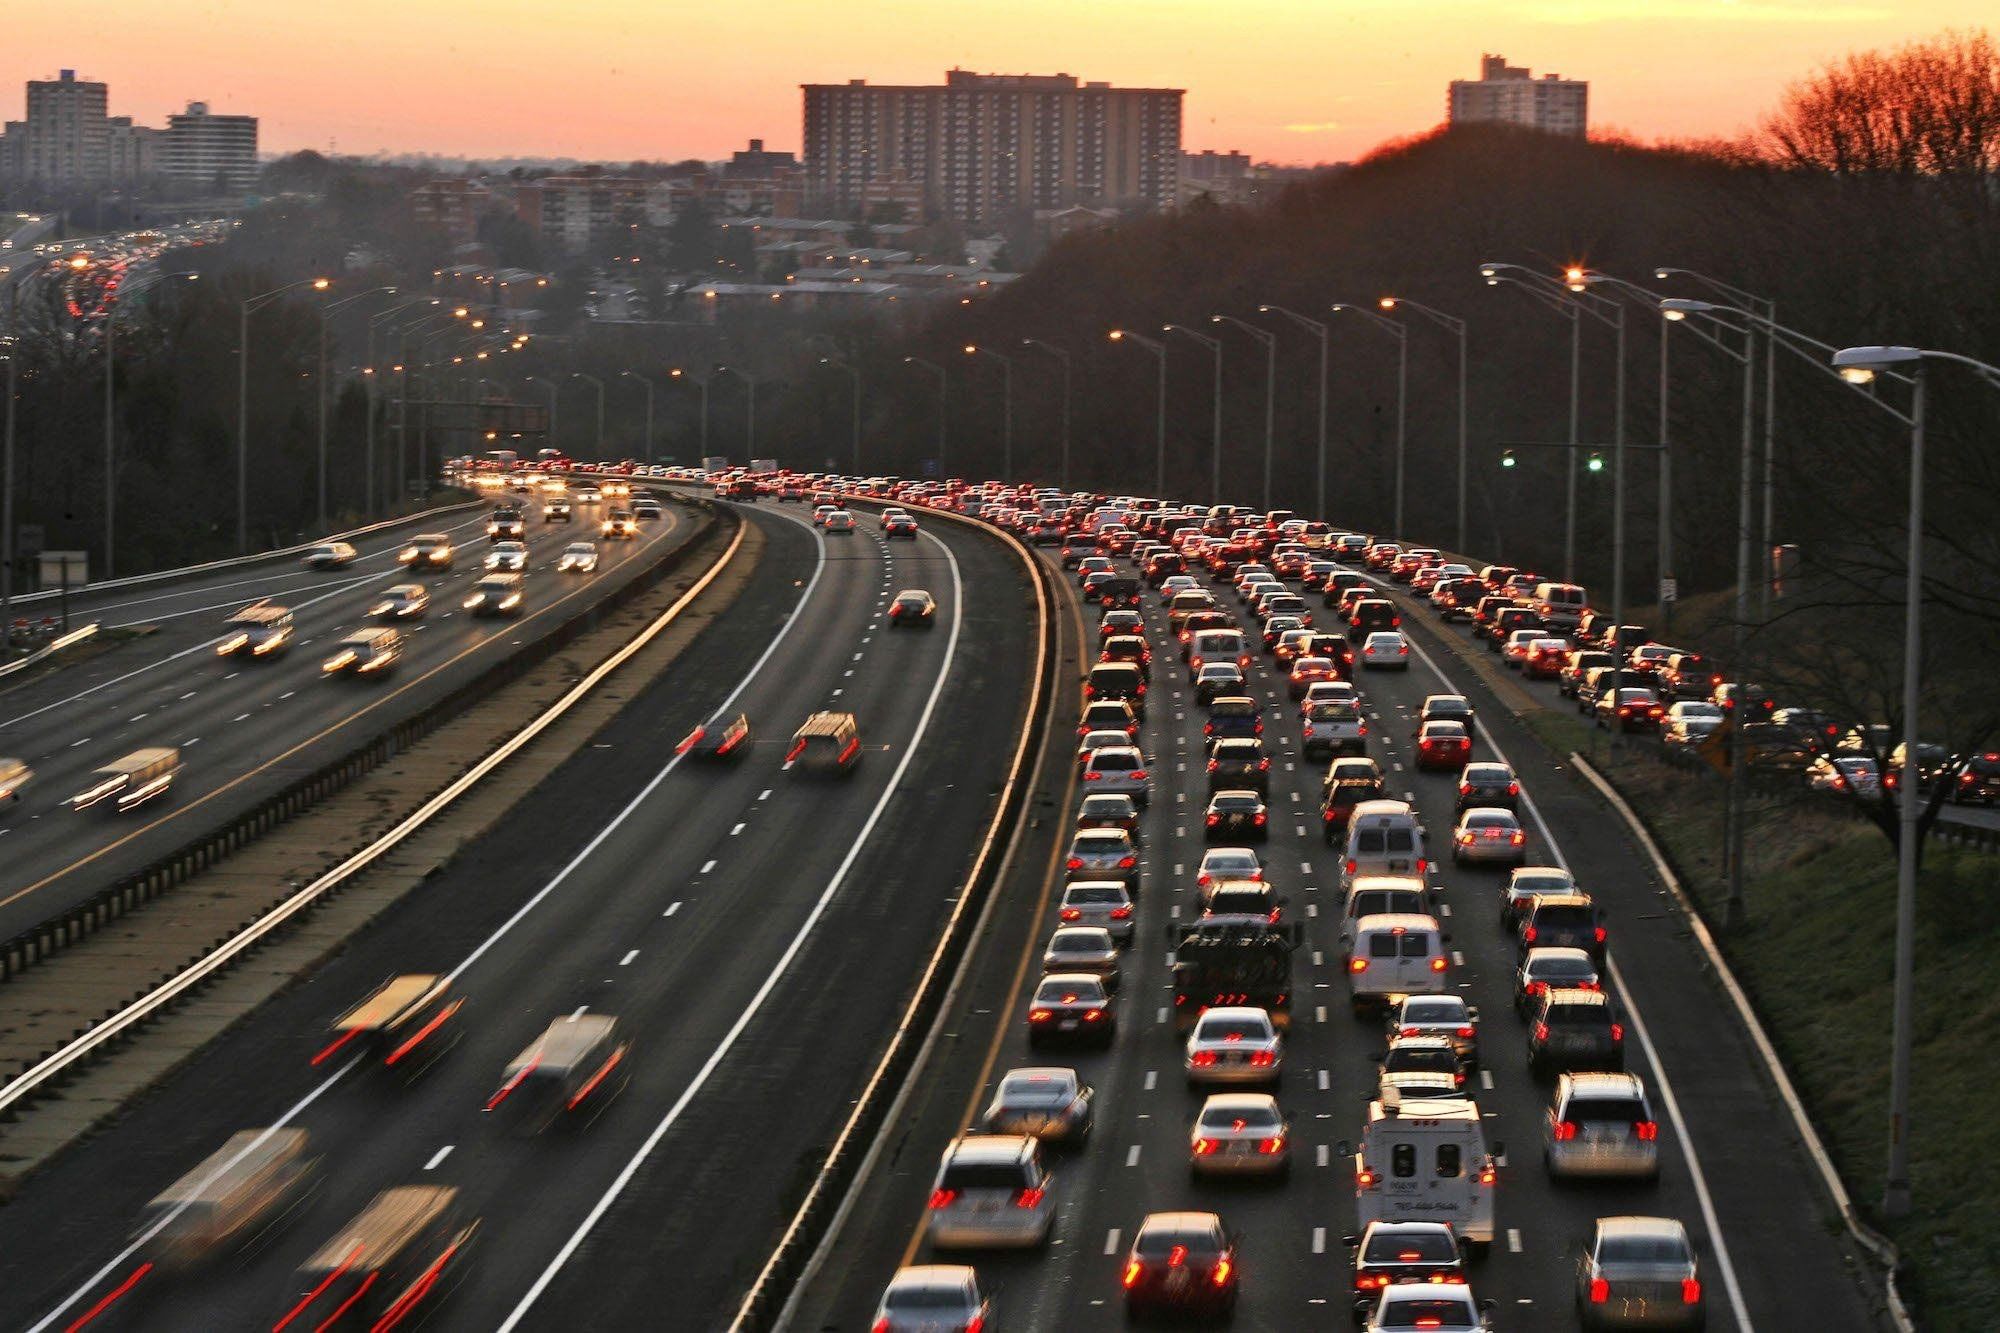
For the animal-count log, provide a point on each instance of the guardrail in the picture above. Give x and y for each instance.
(48, 650)
(815, 1214)
(236, 561)
(36, 945)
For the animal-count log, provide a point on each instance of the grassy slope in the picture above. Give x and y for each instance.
(1815, 958)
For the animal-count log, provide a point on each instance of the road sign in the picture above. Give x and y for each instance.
(65, 569)
(1670, 590)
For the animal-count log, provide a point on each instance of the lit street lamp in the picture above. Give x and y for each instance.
(1402, 337)
(1159, 351)
(1215, 444)
(253, 304)
(1456, 326)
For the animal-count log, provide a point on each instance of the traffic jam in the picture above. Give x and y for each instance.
(1323, 1019)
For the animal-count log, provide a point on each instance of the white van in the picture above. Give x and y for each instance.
(1393, 956)
(1560, 605)
(1427, 1161)
(1376, 895)
(1383, 838)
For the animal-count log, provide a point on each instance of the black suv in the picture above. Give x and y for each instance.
(1563, 921)
(1575, 1029)
(1237, 764)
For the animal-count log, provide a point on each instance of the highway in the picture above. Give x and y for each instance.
(1770, 1257)
(751, 925)
(246, 726)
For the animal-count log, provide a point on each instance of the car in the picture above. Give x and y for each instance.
(1978, 778)
(1238, 762)
(1109, 715)
(1576, 665)
(1120, 769)
(899, 527)
(330, 555)
(912, 608)
(365, 652)
(1183, 1262)
(1752, 699)
(1508, 621)
(1639, 1272)
(391, 1263)
(1120, 622)
(507, 557)
(1595, 684)
(1117, 680)
(1043, 1102)
(1687, 722)
(257, 1180)
(1629, 709)
(1309, 671)
(1233, 1044)
(1332, 727)
(1127, 648)
(577, 558)
(404, 1024)
(1446, 708)
(401, 601)
(506, 525)
(1241, 902)
(1544, 657)
(1329, 691)
(1104, 903)
(839, 523)
(1574, 1029)
(1433, 1307)
(1105, 854)
(1240, 1133)
(570, 1073)
(1844, 775)
(1445, 1016)
(1488, 835)
(827, 742)
(1551, 967)
(1349, 783)
(721, 736)
(619, 525)
(1234, 816)
(1388, 1254)
(589, 495)
(1220, 865)
(427, 550)
(933, 1298)
(646, 509)
(1093, 741)
(557, 511)
(1108, 810)
(1601, 1125)
(1071, 1007)
(991, 1191)
(1488, 784)
(1385, 650)
(1381, 895)
(496, 595)
(1083, 949)
(261, 630)
(1443, 746)
(1416, 1066)
(1216, 680)
(1527, 883)
(1515, 646)
(1562, 920)
(1232, 717)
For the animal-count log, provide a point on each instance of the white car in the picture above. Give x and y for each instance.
(1094, 902)
(1436, 1307)
(926, 1297)
(1328, 692)
(1847, 776)
(1120, 769)
(331, 555)
(1387, 650)
(1234, 1044)
(578, 558)
(507, 557)
(1489, 835)
(1225, 863)
(991, 1190)
(1240, 1132)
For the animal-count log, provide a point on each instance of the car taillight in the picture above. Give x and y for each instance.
(1412, 1032)
(1072, 914)
(1219, 1275)
(1529, 934)
(1263, 1058)
(1350, 867)
(1600, 1291)
(1126, 863)
(1370, 1281)
(1519, 839)
(1690, 1291)
(1202, 1058)
(1600, 934)
(1647, 1130)
(1487, 1175)
(1357, 965)
(1040, 1015)
(1439, 963)
(1028, 1198)
(1213, 820)
(1139, 775)
(1133, 1270)
(1120, 913)
(1468, 1032)
(1366, 1179)
(1075, 863)
(1541, 1032)
(1513, 789)
(1617, 1032)
(1565, 1131)
(1260, 818)
(943, 1198)
(880, 1325)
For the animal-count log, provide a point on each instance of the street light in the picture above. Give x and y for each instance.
(751, 384)
(1215, 445)
(701, 382)
(1402, 337)
(126, 294)
(942, 380)
(647, 385)
(598, 384)
(12, 345)
(1565, 310)
(323, 313)
(854, 428)
(1006, 406)
(1456, 326)
(369, 374)
(1319, 330)
(250, 306)
(1159, 351)
(1062, 354)
(1859, 366)
(1270, 341)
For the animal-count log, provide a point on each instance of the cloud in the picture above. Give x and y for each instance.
(1313, 127)
(1580, 12)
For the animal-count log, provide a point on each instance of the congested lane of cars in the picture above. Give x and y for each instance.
(235, 677)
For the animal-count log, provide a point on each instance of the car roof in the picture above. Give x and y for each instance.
(934, 1275)
(393, 1000)
(1633, 1225)
(1246, 1101)
(1601, 1084)
(391, 1221)
(990, 1147)
(1403, 921)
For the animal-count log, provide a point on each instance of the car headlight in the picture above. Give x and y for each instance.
(272, 644)
(411, 554)
(231, 644)
(513, 599)
(337, 661)
(375, 663)
(475, 601)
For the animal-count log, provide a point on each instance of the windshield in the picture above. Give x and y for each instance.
(1410, 1247)
(1641, 1250)
(1225, 1118)
(1232, 1029)
(1433, 1011)
(1068, 992)
(1160, 1242)
(905, 1300)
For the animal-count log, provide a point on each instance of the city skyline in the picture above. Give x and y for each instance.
(1284, 80)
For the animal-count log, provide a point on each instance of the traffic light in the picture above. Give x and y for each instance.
(1506, 458)
(1595, 462)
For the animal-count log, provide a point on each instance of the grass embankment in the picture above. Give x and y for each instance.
(1815, 956)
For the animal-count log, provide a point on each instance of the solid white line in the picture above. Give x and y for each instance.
(439, 1156)
(1717, 1242)
(778, 969)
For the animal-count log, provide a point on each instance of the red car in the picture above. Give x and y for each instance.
(1443, 746)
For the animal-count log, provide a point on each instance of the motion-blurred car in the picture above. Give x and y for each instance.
(404, 1024)
(401, 601)
(365, 652)
(723, 735)
(507, 557)
(933, 1298)
(261, 629)
(496, 595)
(392, 1264)
(1050, 1104)
(1083, 949)
(1182, 1262)
(619, 525)
(577, 558)
(330, 555)
(570, 1073)
(1240, 1133)
(912, 608)
(1639, 1272)
(427, 550)
(256, 1182)
(1601, 1125)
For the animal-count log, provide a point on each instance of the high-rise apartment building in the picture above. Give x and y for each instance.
(585, 212)
(1510, 95)
(64, 137)
(209, 152)
(131, 152)
(982, 146)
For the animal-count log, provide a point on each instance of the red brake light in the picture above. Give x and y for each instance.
(1202, 1058)
(1133, 1268)
(1617, 1032)
(1600, 934)
(943, 1198)
(1541, 1032)
(1468, 1032)
(1600, 1291)
(1565, 1131)
(1120, 913)
(1075, 863)
(1357, 964)
(1647, 1130)
(1028, 1198)
(1690, 1291)
(1529, 934)
(1071, 914)
(1126, 863)
(1220, 1274)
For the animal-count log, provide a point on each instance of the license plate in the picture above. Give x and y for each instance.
(1399, 865)
(1067, 1024)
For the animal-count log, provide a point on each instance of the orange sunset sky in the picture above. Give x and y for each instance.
(1285, 80)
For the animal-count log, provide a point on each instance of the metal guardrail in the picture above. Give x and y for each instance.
(33, 946)
(236, 561)
(815, 1214)
(49, 649)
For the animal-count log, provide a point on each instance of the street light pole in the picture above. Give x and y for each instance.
(942, 380)
(750, 383)
(1402, 337)
(1159, 351)
(647, 385)
(1319, 331)
(854, 428)
(127, 293)
(13, 346)
(1006, 406)
(321, 384)
(1456, 326)
(597, 384)
(1062, 354)
(1215, 444)
(1270, 341)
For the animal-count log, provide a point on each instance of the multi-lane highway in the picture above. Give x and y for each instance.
(1769, 1257)
(752, 926)
(245, 727)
